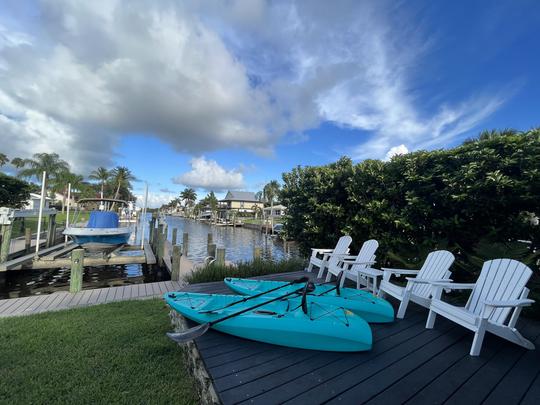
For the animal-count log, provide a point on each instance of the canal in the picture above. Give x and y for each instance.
(238, 243)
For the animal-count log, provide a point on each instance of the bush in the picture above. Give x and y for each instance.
(214, 272)
(13, 192)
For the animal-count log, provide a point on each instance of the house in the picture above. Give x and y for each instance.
(33, 202)
(240, 201)
(275, 211)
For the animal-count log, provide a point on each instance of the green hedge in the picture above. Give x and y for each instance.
(477, 200)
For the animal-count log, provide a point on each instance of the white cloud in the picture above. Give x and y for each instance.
(155, 200)
(204, 75)
(209, 175)
(396, 150)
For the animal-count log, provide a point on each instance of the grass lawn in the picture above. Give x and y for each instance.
(19, 224)
(113, 353)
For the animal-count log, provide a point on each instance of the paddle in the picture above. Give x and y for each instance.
(199, 330)
(337, 287)
(297, 281)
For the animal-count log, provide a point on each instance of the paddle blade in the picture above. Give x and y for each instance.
(189, 334)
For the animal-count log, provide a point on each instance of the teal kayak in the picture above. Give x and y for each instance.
(281, 322)
(364, 304)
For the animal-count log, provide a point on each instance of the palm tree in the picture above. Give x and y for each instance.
(102, 175)
(44, 162)
(189, 196)
(62, 180)
(18, 162)
(122, 178)
(3, 159)
(270, 192)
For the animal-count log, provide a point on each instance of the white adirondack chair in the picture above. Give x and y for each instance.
(320, 257)
(418, 289)
(353, 265)
(499, 291)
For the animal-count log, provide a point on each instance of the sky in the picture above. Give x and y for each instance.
(228, 95)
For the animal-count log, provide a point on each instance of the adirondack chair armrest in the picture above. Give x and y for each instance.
(425, 281)
(512, 303)
(355, 262)
(342, 255)
(453, 286)
(316, 251)
(399, 271)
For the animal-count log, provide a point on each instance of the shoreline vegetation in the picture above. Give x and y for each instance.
(259, 267)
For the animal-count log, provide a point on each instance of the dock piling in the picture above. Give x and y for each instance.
(257, 253)
(212, 250)
(159, 243)
(176, 257)
(6, 242)
(51, 231)
(220, 256)
(174, 236)
(77, 268)
(185, 242)
(27, 239)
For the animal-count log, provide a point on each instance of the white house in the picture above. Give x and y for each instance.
(275, 211)
(33, 202)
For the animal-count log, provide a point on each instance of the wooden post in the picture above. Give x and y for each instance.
(158, 239)
(185, 242)
(257, 253)
(210, 239)
(51, 231)
(174, 236)
(176, 258)
(6, 242)
(27, 239)
(212, 250)
(77, 269)
(220, 256)
(152, 232)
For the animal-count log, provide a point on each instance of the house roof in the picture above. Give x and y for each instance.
(34, 196)
(240, 196)
(276, 207)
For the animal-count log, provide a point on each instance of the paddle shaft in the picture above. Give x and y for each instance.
(297, 281)
(212, 323)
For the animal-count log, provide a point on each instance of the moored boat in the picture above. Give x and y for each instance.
(371, 308)
(282, 322)
(102, 231)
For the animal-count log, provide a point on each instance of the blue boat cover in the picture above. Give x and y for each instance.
(103, 219)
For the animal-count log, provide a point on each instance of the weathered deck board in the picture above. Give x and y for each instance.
(408, 363)
(64, 300)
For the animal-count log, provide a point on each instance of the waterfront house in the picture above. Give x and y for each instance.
(33, 202)
(241, 201)
(277, 211)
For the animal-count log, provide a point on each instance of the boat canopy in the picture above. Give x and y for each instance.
(103, 219)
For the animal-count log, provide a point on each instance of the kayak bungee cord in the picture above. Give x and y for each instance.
(199, 330)
(297, 281)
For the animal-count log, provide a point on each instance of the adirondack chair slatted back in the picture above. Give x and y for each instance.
(499, 280)
(342, 247)
(435, 267)
(366, 254)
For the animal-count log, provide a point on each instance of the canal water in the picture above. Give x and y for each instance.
(238, 243)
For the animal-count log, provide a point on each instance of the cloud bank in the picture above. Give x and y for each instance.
(210, 176)
(203, 75)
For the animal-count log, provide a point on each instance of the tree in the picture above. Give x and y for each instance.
(17, 162)
(102, 175)
(211, 201)
(270, 193)
(122, 178)
(61, 182)
(44, 162)
(189, 196)
(13, 192)
(3, 159)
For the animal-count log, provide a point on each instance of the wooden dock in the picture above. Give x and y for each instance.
(64, 300)
(408, 364)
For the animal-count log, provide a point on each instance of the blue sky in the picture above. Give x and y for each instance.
(218, 95)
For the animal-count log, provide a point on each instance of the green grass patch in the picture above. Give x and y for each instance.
(20, 224)
(214, 272)
(114, 353)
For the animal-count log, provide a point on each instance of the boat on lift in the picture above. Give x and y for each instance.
(102, 231)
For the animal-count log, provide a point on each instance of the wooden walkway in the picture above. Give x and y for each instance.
(65, 300)
(408, 364)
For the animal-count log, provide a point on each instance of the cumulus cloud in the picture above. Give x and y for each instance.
(155, 200)
(204, 75)
(210, 176)
(396, 150)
